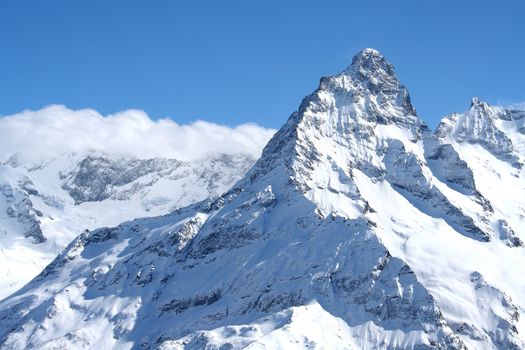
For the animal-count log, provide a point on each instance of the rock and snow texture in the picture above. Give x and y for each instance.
(491, 141)
(44, 206)
(485, 125)
(357, 228)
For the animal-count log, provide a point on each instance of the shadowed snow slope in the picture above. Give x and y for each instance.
(357, 228)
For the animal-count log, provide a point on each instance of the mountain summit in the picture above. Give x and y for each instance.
(370, 64)
(485, 125)
(357, 228)
(370, 67)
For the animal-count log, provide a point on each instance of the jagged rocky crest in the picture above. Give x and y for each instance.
(357, 228)
(479, 126)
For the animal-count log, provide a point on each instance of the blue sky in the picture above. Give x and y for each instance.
(233, 62)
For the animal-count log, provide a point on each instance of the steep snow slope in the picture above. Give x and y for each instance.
(43, 206)
(357, 228)
(491, 140)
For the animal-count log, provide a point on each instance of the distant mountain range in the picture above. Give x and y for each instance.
(44, 206)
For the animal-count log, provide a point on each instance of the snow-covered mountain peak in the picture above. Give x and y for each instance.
(488, 126)
(357, 221)
(476, 102)
(360, 121)
(370, 61)
(339, 118)
(369, 51)
(483, 110)
(365, 94)
(371, 85)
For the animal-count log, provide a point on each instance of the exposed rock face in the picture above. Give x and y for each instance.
(96, 178)
(357, 228)
(20, 213)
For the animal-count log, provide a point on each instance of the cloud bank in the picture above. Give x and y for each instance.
(516, 105)
(54, 130)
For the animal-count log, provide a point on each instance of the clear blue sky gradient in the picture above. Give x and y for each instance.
(232, 62)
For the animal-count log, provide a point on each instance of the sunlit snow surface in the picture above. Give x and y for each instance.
(357, 228)
(36, 204)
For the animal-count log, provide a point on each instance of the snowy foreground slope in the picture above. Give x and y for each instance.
(357, 228)
(43, 206)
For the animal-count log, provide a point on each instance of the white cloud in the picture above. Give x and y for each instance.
(37, 135)
(510, 104)
(516, 105)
